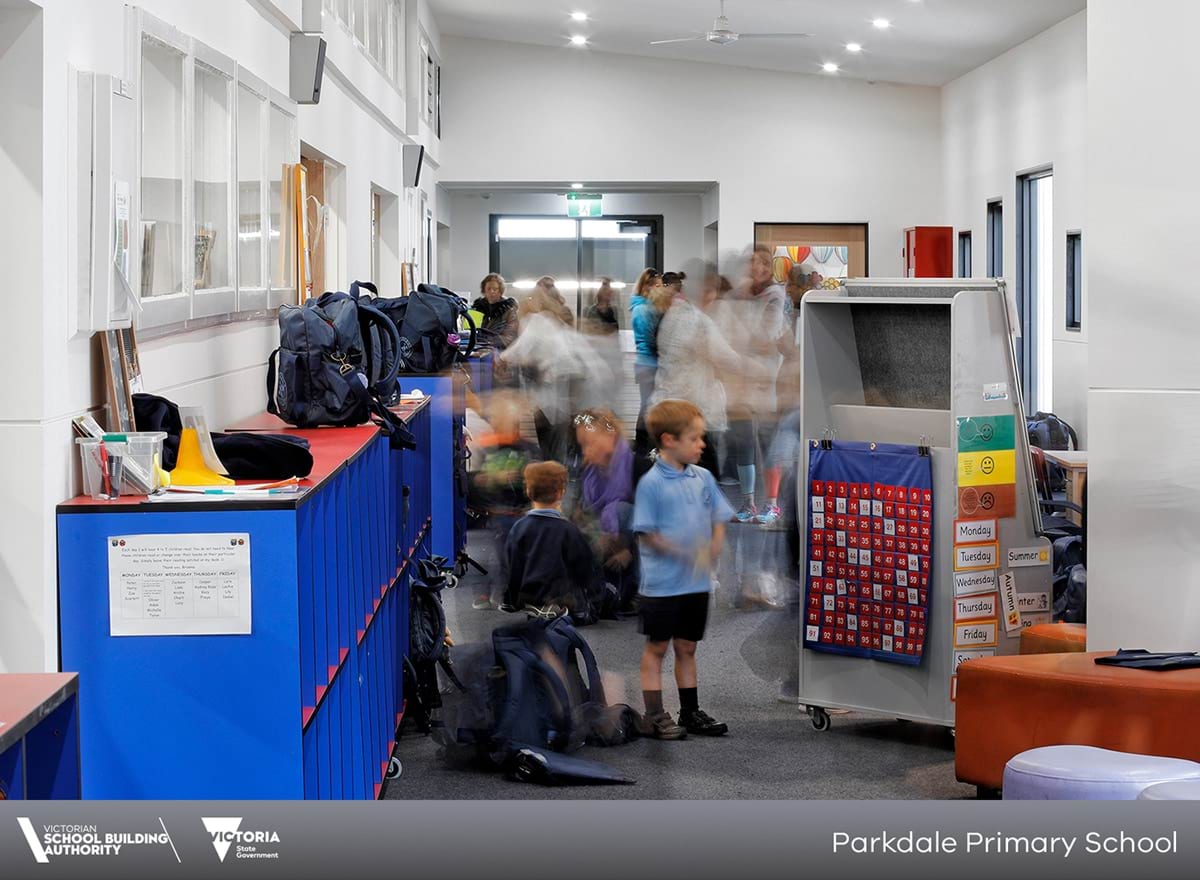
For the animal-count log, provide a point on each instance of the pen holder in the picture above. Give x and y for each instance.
(103, 467)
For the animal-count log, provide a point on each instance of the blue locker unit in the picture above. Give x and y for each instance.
(39, 736)
(446, 426)
(302, 707)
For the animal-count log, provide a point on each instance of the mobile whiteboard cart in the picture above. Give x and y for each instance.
(901, 361)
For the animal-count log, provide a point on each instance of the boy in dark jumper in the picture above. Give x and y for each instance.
(549, 560)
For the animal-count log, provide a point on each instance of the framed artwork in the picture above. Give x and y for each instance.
(811, 255)
(116, 384)
(129, 358)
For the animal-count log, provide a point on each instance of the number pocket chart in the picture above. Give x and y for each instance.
(869, 550)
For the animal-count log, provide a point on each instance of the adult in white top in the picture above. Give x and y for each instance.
(693, 355)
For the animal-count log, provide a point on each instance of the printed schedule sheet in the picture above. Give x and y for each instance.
(162, 585)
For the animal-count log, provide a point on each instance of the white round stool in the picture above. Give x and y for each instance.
(1184, 790)
(1086, 773)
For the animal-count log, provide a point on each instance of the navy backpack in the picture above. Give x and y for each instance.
(427, 323)
(525, 690)
(326, 370)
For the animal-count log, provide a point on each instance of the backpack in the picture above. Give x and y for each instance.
(381, 345)
(526, 690)
(1070, 595)
(427, 322)
(326, 370)
(1048, 431)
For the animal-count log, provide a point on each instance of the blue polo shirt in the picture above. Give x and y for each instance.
(682, 507)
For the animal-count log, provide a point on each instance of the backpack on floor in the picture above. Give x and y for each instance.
(525, 690)
(326, 371)
(427, 321)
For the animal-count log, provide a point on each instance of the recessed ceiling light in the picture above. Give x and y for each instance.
(577, 186)
(579, 16)
(853, 47)
(882, 23)
(579, 40)
(829, 67)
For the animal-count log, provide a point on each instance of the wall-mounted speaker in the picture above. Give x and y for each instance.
(307, 68)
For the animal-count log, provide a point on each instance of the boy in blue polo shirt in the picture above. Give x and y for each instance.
(679, 515)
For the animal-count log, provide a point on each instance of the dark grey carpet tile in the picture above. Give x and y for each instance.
(771, 752)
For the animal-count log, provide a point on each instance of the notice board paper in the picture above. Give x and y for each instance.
(1033, 603)
(1008, 597)
(970, 583)
(178, 585)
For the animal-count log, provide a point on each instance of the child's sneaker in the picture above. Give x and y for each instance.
(701, 723)
(747, 514)
(483, 603)
(769, 516)
(662, 726)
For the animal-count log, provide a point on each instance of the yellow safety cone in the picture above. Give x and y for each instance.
(190, 469)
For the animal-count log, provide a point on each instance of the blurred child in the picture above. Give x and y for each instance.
(550, 565)
(498, 482)
(679, 516)
(606, 508)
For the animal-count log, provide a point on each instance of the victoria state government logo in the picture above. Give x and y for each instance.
(226, 834)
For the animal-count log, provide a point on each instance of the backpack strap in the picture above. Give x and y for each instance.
(368, 315)
(355, 286)
(578, 644)
(272, 369)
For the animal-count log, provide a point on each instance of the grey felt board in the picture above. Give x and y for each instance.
(904, 354)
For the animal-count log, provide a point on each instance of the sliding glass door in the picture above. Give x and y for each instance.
(577, 253)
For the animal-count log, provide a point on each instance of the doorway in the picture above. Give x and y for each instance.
(577, 253)
(1035, 288)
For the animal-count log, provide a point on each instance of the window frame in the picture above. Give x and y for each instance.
(254, 298)
(995, 238)
(209, 302)
(164, 314)
(1074, 280)
(277, 296)
(171, 308)
(966, 254)
(394, 35)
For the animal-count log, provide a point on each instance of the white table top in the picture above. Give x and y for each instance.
(1075, 458)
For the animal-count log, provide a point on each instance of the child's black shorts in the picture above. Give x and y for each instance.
(662, 618)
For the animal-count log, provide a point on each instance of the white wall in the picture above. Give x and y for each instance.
(221, 368)
(469, 215)
(782, 147)
(1023, 110)
(1144, 397)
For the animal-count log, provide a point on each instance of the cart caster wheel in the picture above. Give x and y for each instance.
(452, 581)
(820, 718)
(395, 768)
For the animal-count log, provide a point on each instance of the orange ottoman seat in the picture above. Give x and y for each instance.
(1007, 705)
(1054, 638)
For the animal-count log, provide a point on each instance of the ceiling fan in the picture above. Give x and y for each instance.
(722, 35)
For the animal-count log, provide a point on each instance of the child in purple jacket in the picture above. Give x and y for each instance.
(605, 509)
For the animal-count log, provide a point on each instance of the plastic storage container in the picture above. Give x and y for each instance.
(143, 461)
(103, 467)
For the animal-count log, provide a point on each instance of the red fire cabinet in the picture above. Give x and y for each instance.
(929, 252)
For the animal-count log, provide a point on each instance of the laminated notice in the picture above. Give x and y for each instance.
(972, 557)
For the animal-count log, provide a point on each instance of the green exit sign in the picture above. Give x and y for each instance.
(584, 205)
